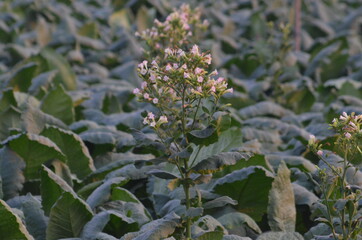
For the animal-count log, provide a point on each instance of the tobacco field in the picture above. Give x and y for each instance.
(246, 127)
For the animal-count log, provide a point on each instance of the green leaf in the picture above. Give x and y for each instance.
(51, 188)
(217, 162)
(155, 230)
(11, 172)
(11, 226)
(102, 193)
(10, 118)
(65, 74)
(161, 174)
(238, 223)
(215, 235)
(228, 140)
(109, 222)
(34, 218)
(123, 194)
(21, 78)
(34, 120)
(280, 236)
(250, 187)
(35, 150)
(68, 217)
(78, 158)
(219, 202)
(205, 136)
(59, 104)
(281, 208)
(264, 109)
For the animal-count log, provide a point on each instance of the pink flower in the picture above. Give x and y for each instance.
(200, 79)
(195, 50)
(155, 100)
(153, 77)
(165, 78)
(208, 59)
(213, 89)
(143, 71)
(320, 153)
(186, 75)
(214, 73)
(136, 91)
(168, 51)
(168, 67)
(184, 66)
(146, 96)
(347, 135)
(175, 65)
(143, 85)
(198, 70)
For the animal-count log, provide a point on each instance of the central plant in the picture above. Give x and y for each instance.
(186, 94)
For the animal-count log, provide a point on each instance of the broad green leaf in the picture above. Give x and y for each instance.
(264, 109)
(238, 223)
(11, 172)
(255, 160)
(109, 222)
(215, 235)
(219, 202)
(205, 136)
(11, 226)
(281, 208)
(155, 230)
(9, 118)
(162, 174)
(7, 99)
(250, 187)
(65, 75)
(78, 158)
(21, 78)
(102, 193)
(35, 150)
(34, 120)
(34, 217)
(217, 162)
(123, 194)
(228, 140)
(280, 236)
(68, 217)
(206, 224)
(51, 188)
(59, 104)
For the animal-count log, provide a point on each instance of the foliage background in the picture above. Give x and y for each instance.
(72, 167)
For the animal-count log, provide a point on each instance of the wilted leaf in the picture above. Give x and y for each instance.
(281, 208)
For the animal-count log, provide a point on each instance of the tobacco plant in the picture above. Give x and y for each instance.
(340, 202)
(186, 95)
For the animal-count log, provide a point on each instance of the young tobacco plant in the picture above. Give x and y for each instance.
(340, 199)
(177, 81)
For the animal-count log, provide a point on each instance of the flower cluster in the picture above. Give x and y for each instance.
(180, 76)
(150, 120)
(176, 30)
(314, 146)
(348, 126)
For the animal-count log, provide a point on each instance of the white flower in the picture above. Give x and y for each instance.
(143, 71)
(168, 51)
(162, 120)
(155, 100)
(208, 59)
(152, 124)
(150, 115)
(214, 73)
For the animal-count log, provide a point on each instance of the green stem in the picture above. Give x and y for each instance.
(197, 109)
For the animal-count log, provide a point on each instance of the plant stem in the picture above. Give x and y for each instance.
(197, 109)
